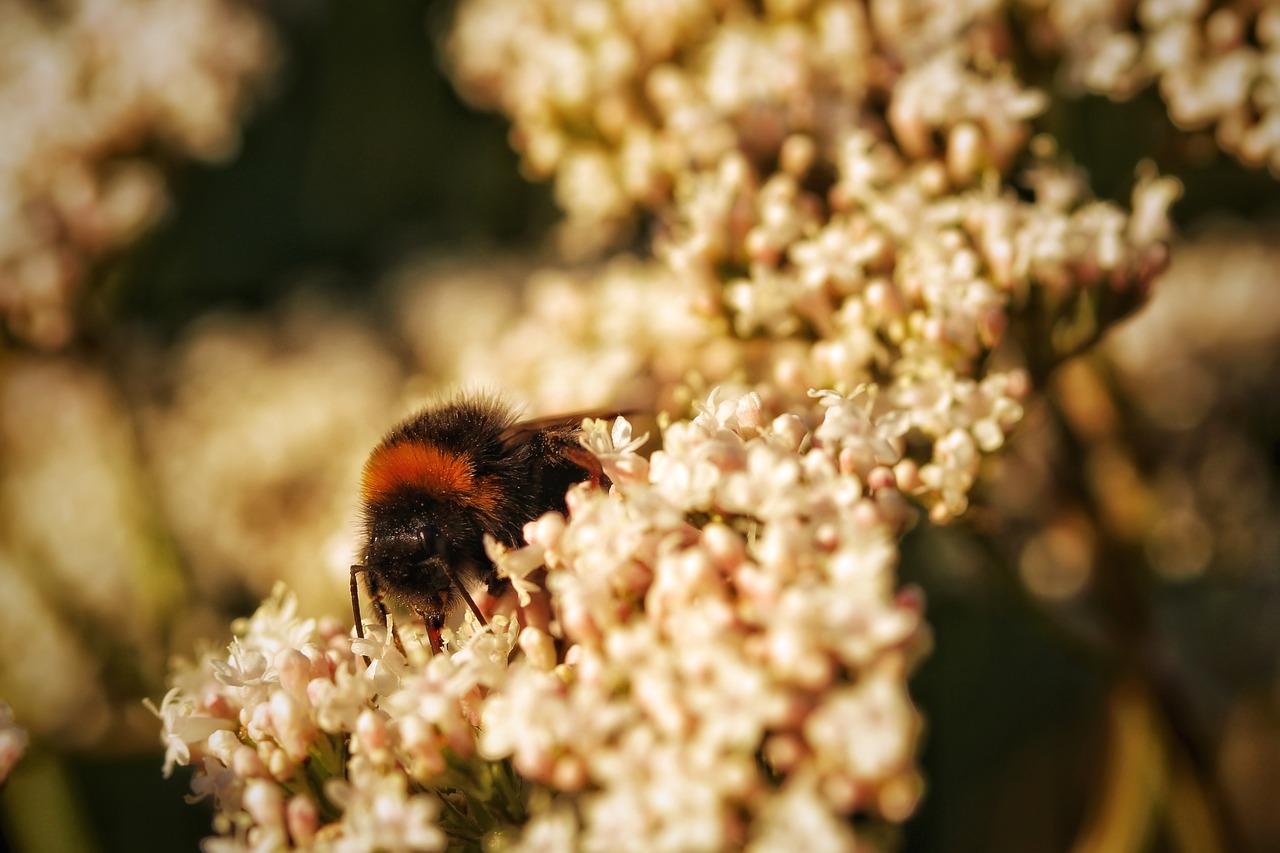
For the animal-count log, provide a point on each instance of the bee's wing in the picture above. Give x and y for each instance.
(565, 425)
(523, 431)
(555, 452)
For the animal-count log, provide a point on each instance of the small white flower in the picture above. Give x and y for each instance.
(516, 564)
(182, 726)
(615, 443)
(379, 813)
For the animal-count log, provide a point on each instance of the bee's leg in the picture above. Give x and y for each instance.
(375, 600)
(355, 603)
(355, 600)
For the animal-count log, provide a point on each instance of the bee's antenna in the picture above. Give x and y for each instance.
(457, 583)
(466, 596)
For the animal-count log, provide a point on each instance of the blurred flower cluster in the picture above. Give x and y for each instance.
(253, 430)
(1213, 487)
(1217, 64)
(571, 339)
(13, 742)
(1176, 454)
(202, 473)
(86, 574)
(98, 95)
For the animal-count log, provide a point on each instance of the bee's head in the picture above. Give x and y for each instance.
(412, 566)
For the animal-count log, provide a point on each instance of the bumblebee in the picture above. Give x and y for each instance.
(443, 479)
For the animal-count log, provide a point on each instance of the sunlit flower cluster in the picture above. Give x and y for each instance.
(910, 282)
(736, 650)
(854, 190)
(89, 86)
(716, 652)
(849, 215)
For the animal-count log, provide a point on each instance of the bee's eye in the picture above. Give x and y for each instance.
(430, 543)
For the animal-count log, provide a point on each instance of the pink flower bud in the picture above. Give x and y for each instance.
(750, 414)
(724, 546)
(422, 743)
(258, 725)
(292, 725)
(545, 530)
(247, 764)
(372, 735)
(538, 647)
(295, 671)
(881, 477)
(907, 474)
(570, 774)
(279, 764)
(321, 665)
(790, 430)
(784, 751)
(223, 745)
(533, 761)
(264, 802)
(302, 818)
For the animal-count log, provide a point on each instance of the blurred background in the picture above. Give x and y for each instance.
(239, 240)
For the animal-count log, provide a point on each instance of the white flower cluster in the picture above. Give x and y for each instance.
(1217, 64)
(854, 188)
(86, 87)
(621, 100)
(715, 657)
(627, 332)
(307, 739)
(909, 282)
(735, 654)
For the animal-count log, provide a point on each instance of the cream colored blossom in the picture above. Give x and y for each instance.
(87, 91)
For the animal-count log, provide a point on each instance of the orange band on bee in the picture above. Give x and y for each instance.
(434, 470)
